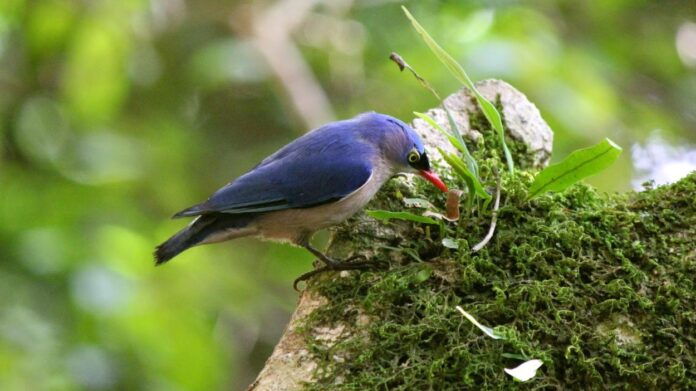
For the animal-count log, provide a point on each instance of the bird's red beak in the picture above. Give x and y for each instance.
(434, 179)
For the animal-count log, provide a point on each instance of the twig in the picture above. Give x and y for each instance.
(456, 131)
(394, 56)
(494, 220)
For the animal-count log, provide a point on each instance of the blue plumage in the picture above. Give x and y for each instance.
(317, 180)
(322, 166)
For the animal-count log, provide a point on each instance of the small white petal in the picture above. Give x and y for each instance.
(450, 243)
(525, 371)
(486, 330)
(439, 216)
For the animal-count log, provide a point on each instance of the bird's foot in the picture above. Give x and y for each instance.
(333, 265)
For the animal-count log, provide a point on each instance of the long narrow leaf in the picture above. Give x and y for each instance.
(488, 109)
(472, 182)
(493, 116)
(456, 142)
(387, 215)
(576, 166)
(453, 140)
(444, 57)
(470, 161)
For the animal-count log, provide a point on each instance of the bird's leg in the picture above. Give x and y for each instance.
(331, 264)
(328, 261)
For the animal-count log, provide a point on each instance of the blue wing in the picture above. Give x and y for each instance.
(320, 167)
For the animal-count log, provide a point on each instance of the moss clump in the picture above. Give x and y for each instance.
(599, 287)
(488, 149)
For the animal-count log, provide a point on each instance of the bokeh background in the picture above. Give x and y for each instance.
(114, 114)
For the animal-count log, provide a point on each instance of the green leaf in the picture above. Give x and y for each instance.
(457, 142)
(472, 182)
(576, 166)
(470, 161)
(444, 57)
(453, 140)
(488, 109)
(387, 215)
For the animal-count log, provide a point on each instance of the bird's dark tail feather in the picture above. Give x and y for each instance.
(201, 228)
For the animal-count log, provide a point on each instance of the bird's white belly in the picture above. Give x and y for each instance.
(295, 224)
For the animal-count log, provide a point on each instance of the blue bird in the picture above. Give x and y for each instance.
(316, 181)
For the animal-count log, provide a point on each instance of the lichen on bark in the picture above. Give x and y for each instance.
(598, 286)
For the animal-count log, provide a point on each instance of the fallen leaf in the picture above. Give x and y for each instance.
(486, 330)
(525, 371)
(436, 215)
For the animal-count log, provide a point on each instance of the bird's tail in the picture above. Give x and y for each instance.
(204, 229)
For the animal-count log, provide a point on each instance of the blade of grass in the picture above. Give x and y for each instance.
(472, 182)
(453, 140)
(488, 109)
(456, 142)
(576, 166)
(470, 161)
(444, 57)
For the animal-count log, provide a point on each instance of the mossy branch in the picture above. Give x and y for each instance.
(599, 287)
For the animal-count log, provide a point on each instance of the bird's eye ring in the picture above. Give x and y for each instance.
(413, 156)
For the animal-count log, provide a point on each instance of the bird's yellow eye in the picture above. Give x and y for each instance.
(413, 156)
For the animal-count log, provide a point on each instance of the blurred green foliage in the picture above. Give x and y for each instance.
(116, 114)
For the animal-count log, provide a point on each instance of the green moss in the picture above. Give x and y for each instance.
(489, 147)
(599, 287)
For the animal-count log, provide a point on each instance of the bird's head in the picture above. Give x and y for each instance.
(403, 148)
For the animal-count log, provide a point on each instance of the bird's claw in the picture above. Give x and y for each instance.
(354, 257)
(347, 264)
